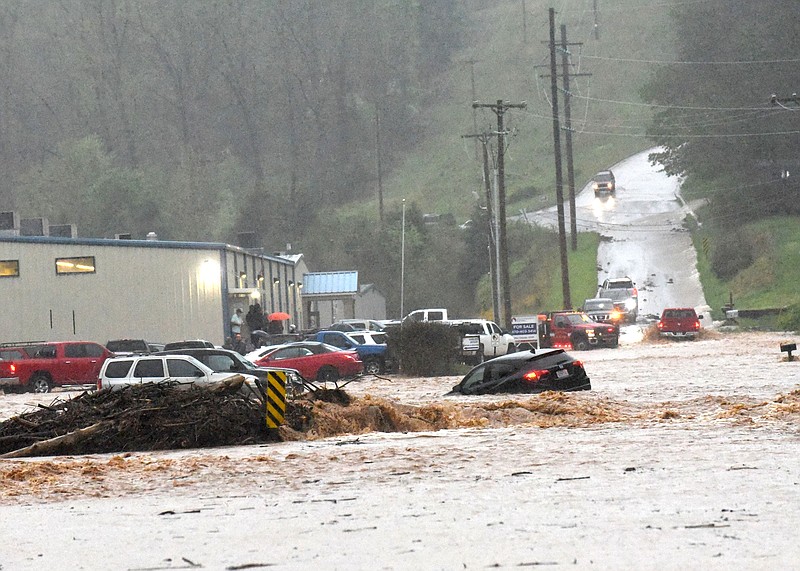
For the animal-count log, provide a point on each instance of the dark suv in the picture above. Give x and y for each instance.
(604, 183)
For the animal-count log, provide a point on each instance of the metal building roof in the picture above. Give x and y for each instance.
(322, 283)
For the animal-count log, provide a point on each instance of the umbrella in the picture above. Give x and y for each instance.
(279, 316)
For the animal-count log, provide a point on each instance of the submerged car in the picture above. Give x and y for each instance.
(526, 372)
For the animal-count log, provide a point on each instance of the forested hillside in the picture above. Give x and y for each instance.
(308, 122)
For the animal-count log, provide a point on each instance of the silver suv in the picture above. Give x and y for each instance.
(625, 295)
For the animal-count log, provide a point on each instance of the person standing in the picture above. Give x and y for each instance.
(239, 345)
(236, 323)
(255, 322)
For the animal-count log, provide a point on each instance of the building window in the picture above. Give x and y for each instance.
(79, 265)
(9, 268)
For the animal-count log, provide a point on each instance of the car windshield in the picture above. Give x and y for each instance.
(576, 318)
(618, 294)
(603, 176)
(593, 304)
(679, 314)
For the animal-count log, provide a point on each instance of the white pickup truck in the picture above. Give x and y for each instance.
(427, 315)
(493, 340)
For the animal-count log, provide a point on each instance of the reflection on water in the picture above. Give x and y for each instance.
(601, 205)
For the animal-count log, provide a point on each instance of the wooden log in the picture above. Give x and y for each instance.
(52, 445)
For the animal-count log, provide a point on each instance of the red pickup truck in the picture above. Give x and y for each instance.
(38, 367)
(679, 322)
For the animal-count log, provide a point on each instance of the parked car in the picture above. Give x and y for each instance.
(227, 361)
(360, 324)
(132, 346)
(119, 372)
(604, 183)
(51, 364)
(526, 372)
(493, 340)
(189, 344)
(602, 310)
(314, 360)
(374, 356)
(369, 337)
(679, 322)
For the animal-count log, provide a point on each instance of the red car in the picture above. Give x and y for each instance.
(314, 360)
(679, 322)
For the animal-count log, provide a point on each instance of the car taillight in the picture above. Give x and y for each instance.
(610, 330)
(534, 376)
(635, 292)
(660, 325)
(696, 325)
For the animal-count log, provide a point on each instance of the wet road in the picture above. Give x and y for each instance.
(642, 235)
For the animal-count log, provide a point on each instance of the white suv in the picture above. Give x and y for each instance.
(120, 372)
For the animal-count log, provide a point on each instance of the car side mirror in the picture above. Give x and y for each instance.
(700, 316)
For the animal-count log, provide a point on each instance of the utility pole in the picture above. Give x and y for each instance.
(596, 23)
(499, 109)
(562, 238)
(380, 170)
(472, 63)
(568, 130)
(484, 140)
(565, 77)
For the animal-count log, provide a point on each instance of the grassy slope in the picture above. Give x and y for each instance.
(771, 281)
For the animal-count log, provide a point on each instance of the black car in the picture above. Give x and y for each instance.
(189, 344)
(526, 372)
(224, 361)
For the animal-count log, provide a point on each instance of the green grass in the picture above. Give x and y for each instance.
(770, 282)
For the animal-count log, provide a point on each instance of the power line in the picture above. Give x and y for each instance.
(696, 62)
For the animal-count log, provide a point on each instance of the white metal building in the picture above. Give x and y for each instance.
(99, 289)
(331, 296)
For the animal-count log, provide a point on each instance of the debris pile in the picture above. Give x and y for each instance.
(151, 416)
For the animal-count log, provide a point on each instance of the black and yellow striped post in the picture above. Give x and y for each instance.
(276, 400)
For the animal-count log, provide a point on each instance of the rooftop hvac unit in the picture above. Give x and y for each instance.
(123, 236)
(247, 240)
(9, 221)
(33, 227)
(63, 230)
